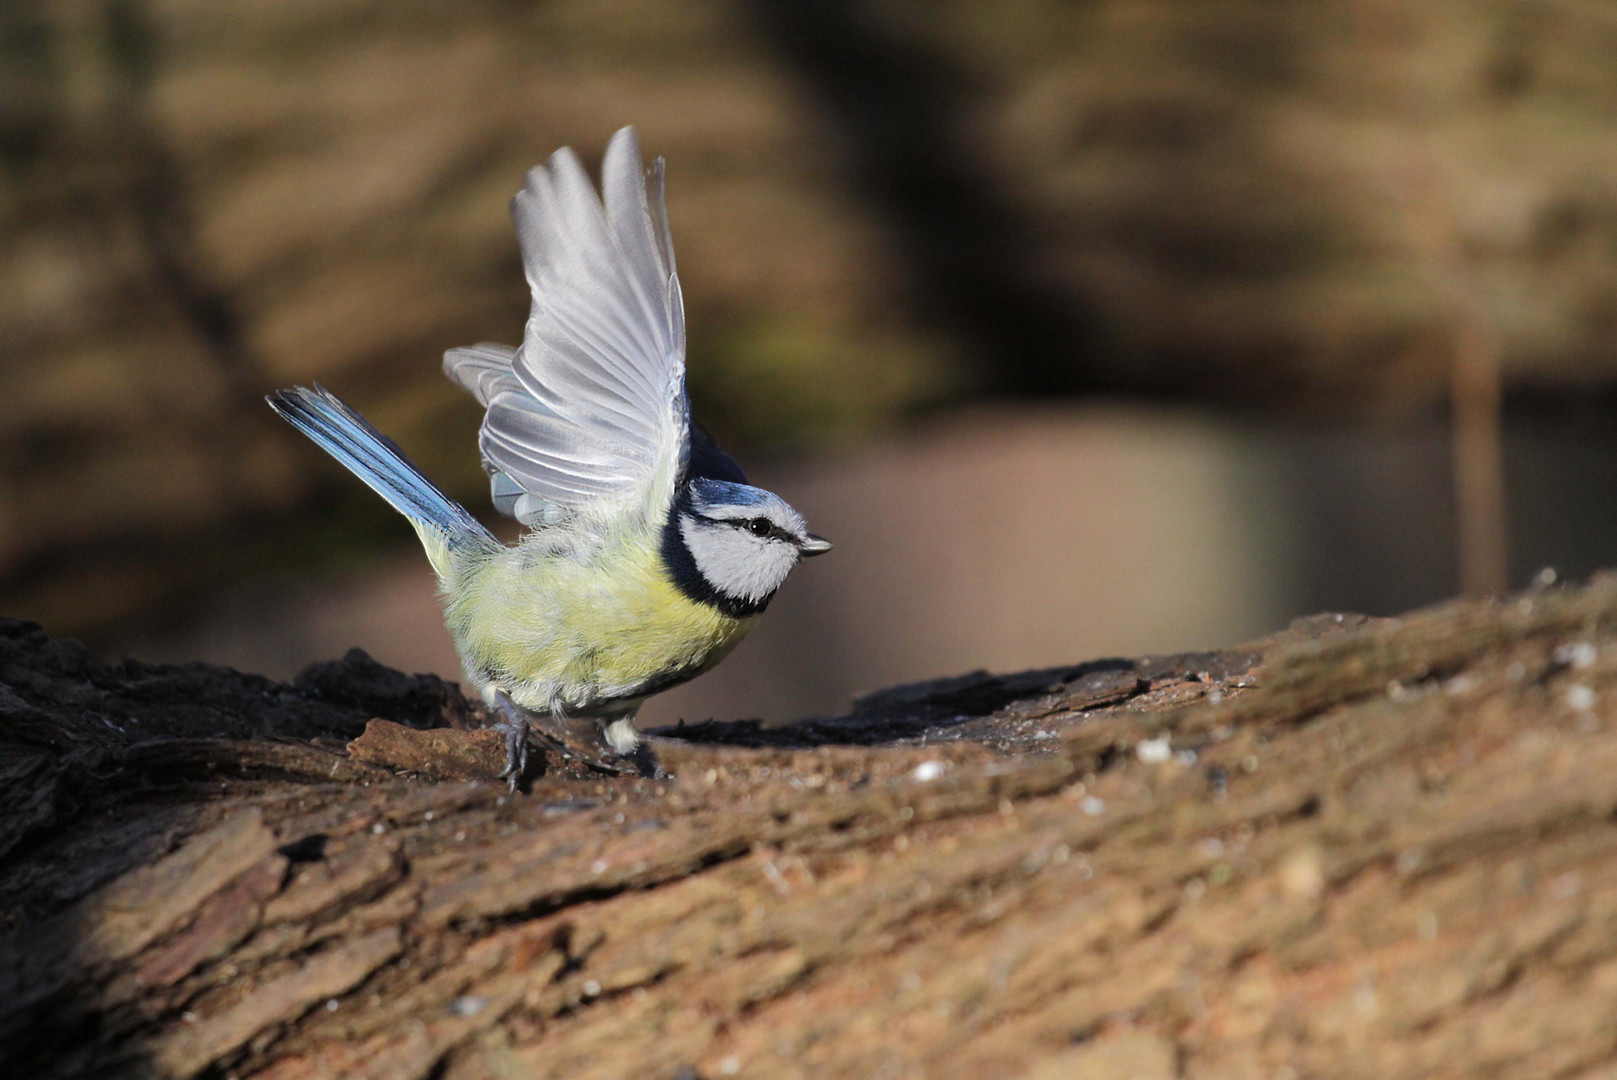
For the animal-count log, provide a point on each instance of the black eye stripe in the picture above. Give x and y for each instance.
(749, 525)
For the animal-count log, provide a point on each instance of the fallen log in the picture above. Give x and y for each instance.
(1360, 848)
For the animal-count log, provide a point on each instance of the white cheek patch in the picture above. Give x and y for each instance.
(736, 563)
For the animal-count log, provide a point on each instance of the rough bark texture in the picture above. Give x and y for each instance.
(1359, 849)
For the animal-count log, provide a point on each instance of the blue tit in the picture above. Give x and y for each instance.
(647, 555)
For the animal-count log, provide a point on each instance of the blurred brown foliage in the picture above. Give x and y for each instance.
(879, 208)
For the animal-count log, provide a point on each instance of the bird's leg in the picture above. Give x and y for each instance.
(610, 743)
(633, 751)
(515, 729)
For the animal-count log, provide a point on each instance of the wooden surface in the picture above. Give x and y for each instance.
(1359, 849)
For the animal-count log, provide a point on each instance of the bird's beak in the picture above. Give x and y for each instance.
(814, 545)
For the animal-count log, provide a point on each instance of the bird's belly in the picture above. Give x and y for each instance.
(582, 637)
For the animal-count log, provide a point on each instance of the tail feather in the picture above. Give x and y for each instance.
(347, 436)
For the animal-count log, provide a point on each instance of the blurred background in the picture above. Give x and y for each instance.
(1083, 328)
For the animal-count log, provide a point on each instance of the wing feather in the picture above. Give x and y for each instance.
(659, 215)
(483, 369)
(590, 415)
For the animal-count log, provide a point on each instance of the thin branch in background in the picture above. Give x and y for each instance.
(1479, 469)
(1474, 380)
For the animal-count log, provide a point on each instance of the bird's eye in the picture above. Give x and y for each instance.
(758, 526)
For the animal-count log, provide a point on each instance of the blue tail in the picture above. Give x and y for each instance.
(377, 460)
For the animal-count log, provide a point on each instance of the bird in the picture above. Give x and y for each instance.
(647, 556)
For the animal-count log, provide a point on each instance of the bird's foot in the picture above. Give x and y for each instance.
(610, 746)
(642, 761)
(514, 727)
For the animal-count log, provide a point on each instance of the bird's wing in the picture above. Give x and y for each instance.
(590, 414)
(483, 370)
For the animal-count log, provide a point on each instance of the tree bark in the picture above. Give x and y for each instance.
(1361, 848)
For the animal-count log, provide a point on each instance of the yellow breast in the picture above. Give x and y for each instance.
(556, 629)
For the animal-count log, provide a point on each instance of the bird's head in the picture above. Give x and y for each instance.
(732, 545)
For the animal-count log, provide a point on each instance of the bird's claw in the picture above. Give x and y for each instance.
(642, 762)
(514, 727)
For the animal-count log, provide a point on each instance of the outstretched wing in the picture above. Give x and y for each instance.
(590, 415)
